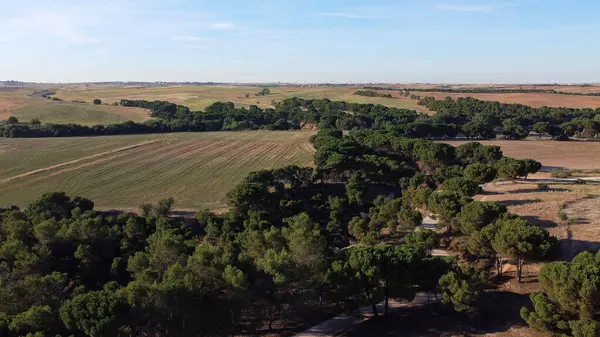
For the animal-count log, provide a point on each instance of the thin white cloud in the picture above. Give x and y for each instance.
(465, 8)
(191, 38)
(195, 46)
(353, 15)
(51, 24)
(222, 25)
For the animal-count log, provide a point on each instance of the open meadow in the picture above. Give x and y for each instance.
(199, 97)
(20, 103)
(122, 172)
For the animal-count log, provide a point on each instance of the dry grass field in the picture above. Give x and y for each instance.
(580, 202)
(508, 86)
(122, 172)
(535, 100)
(17, 102)
(199, 97)
(552, 154)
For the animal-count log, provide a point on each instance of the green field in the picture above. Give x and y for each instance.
(122, 172)
(85, 114)
(20, 104)
(199, 97)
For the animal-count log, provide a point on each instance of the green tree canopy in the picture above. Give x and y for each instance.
(569, 301)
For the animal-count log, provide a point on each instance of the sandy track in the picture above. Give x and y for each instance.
(71, 162)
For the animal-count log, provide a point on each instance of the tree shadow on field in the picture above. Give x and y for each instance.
(550, 168)
(540, 222)
(499, 311)
(535, 190)
(520, 202)
(570, 248)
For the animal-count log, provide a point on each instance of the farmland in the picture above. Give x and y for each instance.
(122, 172)
(18, 103)
(535, 100)
(199, 97)
(572, 155)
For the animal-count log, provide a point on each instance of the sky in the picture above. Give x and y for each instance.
(301, 41)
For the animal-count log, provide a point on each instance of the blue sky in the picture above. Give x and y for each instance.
(300, 40)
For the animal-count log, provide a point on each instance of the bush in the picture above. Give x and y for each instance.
(97, 102)
(543, 187)
(556, 173)
(580, 182)
(562, 216)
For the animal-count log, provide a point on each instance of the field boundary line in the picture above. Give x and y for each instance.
(75, 161)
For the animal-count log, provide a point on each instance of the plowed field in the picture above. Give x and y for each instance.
(122, 172)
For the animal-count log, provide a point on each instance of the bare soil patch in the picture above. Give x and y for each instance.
(584, 233)
(6, 105)
(581, 202)
(552, 154)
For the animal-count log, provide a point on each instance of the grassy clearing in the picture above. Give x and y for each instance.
(199, 97)
(121, 172)
(17, 103)
(86, 114)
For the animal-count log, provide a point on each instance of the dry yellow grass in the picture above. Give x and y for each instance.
(19, 103)
(535, 100)
(199, 97)
(580, 202)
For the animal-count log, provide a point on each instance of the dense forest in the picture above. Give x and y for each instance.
(465, 117)
(295, 240)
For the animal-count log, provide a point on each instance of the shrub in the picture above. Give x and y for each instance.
(543, 187)
(556, 173)
(97, 102)
(580, 182)
(562, 216)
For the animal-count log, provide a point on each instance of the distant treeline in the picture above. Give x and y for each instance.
(465, 117)
(490, 90)
(371, 93)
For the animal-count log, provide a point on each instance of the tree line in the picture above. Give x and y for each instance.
(371, 93)
(465, 117)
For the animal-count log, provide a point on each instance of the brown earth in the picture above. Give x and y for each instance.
(552, 154)
(580, 202)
